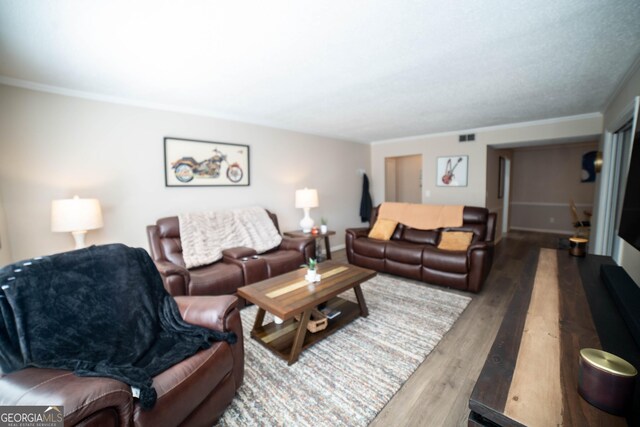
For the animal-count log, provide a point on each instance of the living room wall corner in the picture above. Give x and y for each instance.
(5, 248)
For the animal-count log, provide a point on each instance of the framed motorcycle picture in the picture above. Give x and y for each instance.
(193, 163)
(452, 171)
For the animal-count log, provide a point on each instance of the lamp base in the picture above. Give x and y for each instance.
(79, 236)
(306, 223)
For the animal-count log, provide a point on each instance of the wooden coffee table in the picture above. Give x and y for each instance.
(290, 294)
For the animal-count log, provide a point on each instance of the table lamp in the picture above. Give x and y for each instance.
(306, 199)
(76, 216)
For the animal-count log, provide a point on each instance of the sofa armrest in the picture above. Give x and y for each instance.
(480, 258)
(350, 235)
(167, 268)
(175, 278)
(304, 245)
(239, 252)
(297, 243)
(479, 246)
(219, 313)
(358, 232)
(208, 311)
(82, 397)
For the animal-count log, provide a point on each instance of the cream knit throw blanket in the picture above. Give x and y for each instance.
(204, 235)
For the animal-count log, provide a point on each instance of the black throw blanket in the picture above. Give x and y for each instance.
(99, 311)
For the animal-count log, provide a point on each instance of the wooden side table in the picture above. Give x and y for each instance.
(300, 233)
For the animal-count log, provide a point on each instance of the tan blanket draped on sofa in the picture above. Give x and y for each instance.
(204, 235)
(422, 217)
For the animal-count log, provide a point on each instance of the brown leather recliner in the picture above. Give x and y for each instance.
(239, 266)
(414, 253)
(195, 391)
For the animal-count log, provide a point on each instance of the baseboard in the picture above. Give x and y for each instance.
(543, 230)
(337, 247)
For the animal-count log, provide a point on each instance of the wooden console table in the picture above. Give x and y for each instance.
(530, 376)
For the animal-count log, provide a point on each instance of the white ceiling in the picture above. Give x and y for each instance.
(361, 70)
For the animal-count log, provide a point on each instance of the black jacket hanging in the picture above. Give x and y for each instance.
(365, 202)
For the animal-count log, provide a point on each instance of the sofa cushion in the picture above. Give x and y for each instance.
(377, 264)
(80, 396)
(412, 271)
(455, 240)
(169, 236)
(369, 247)
(445, 278)
(397, 235)
(383, 229)
(405, 252)
(451, 261)
(479, 231)
(425, 237)
(219, 278)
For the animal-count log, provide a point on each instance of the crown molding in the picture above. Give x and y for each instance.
(92, 96)
(25, 84)
(554, 120)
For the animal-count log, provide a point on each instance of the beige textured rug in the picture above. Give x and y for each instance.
(347, 378)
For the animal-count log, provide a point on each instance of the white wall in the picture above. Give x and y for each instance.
(630, 257)
(433, 146)
(493, 203)
(430, 148)
(544, 180)
(53, 146)
(5, 249)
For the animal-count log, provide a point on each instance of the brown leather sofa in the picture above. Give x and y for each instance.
(414, 253)
(194, 392)
(239, 266)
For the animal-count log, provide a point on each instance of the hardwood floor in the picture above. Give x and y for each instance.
(437, 394)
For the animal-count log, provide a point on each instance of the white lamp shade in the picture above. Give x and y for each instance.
(306, 198)
(75, 214)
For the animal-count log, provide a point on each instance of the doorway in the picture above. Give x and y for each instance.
(505, 172)
(403, 179)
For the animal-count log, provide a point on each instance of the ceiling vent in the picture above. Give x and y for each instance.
(470, 137)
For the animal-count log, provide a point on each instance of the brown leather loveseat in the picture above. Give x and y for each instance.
(415, 254)
(239, 267)
(195, 391)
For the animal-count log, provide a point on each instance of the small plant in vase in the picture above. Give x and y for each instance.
(311, 266)
(312, 276)
(323, 226)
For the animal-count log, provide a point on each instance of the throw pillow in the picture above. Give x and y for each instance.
(455, 240)
(383, 229)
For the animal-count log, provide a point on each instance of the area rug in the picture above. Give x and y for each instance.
(347, 378)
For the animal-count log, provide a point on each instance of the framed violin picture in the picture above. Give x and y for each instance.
(452, 171)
